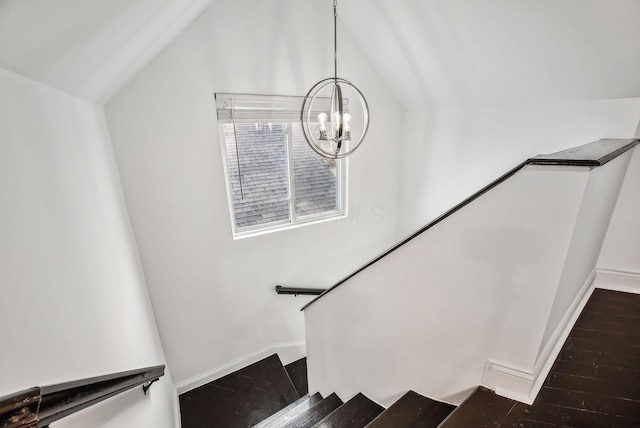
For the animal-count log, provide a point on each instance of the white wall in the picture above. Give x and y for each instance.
(621, 249)
(75, 303)
(599, 201)
(213, 296)
(448, 154)
(477, 286)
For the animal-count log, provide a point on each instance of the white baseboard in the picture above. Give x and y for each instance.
(288, 352)
(508, 381)
(618, 280)
(554, 345)
(524, 385)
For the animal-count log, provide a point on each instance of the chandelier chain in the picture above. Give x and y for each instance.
(335, 39)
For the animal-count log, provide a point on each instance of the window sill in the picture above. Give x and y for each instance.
(288, 226)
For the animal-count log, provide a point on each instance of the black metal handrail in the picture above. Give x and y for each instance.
(300, 291)
(590, 155)
(40, 406)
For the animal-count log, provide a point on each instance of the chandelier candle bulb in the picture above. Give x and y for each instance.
(322, 126)
(322, 121)
(336, 122)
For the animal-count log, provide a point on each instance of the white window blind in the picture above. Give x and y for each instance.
(246, 107)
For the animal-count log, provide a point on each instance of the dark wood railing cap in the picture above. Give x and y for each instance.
(593, 154)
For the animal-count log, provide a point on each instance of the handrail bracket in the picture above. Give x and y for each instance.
(147, 385)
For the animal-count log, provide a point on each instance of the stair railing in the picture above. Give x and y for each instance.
(589, 155)
(40, 406)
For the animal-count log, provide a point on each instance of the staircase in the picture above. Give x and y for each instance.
(268, 395)
(595, 382)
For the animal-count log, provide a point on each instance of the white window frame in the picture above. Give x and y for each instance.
(266, 109)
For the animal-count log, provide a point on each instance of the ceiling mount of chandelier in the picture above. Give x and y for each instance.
(333, 127)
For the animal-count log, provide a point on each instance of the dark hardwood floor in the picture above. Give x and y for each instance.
(594, 382)
(240, 399)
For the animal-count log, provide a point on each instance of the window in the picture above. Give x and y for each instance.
(274, 179)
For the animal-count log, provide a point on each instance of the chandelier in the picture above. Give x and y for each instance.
(326, 116)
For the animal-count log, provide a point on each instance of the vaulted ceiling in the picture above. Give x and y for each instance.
(88, 48)
(440, 53)
(430, 53)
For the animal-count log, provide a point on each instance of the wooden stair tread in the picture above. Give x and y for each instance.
(242, 398)
(282, 411)
(297, 371)
(315, 414)
(482, 409)
(270, 369)
(413, 410)
(355, 413)
(290, 412)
